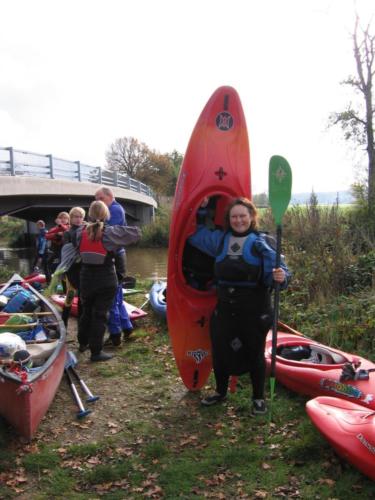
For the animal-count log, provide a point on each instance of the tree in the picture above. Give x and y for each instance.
(357, 122)
(162, 172)
(128, 156)
(260, 200)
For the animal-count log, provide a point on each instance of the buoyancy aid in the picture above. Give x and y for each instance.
(93, 252)
(239, 263)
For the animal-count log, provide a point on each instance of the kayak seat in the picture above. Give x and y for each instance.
(311, 354)
(322, 355)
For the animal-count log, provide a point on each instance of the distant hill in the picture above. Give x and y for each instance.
(324, 198)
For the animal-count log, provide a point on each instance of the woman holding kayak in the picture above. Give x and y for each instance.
(244, 273)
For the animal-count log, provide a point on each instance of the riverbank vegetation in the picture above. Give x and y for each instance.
(11, 230)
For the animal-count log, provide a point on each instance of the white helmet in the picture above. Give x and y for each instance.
(10, 343)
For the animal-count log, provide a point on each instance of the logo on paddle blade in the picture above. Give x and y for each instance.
(280, 174)
(198, 355)
(224, 121)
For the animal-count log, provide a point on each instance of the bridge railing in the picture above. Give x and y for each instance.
(14, 162)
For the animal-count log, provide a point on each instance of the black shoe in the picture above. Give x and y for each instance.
(102, 356)
(127, 332)
(212, 400)
(83, 347)
(113, 341)
(259, 407)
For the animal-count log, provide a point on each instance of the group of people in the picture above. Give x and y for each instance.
(97, 271)
(244, 276)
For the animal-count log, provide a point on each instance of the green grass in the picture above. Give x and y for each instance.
(170, 447)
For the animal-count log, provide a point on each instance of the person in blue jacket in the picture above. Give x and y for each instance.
(41, 257)
(244, 275)
(119, 320)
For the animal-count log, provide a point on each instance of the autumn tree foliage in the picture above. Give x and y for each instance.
(128, 155)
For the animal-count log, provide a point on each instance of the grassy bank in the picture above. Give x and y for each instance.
(149, 438)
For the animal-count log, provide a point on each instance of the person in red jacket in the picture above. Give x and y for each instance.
(98, 243)
(55, 237)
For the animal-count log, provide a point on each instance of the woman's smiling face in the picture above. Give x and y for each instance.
(240, 219)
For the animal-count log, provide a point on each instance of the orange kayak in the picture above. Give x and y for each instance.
(216, 165)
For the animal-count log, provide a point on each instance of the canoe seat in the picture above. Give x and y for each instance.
(41, 352)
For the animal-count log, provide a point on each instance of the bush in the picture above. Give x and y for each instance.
(318, 250)
(156, 234)
(11, 229)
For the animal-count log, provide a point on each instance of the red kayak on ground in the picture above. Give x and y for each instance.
(35, 278)
(313, 369)
(349, 428)
(216, 165)
(133, 311)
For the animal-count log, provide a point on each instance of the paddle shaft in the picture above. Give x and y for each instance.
(83, 385)
(82, 410)
(276, 301)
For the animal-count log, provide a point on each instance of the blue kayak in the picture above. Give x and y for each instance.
(158, 298)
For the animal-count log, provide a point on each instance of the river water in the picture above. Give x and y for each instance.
(142, 263)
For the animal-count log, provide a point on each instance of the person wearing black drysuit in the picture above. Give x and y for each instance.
(244, 273)
(98, 243)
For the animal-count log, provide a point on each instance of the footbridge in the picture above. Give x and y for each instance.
(35, 186)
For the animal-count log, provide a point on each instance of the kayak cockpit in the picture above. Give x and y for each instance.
(309, 354)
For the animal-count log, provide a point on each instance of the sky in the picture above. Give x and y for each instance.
(76, 75)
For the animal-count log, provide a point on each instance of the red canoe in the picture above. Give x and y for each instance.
(216, 165)
(319, 369)
(133, 311)
(26, 396)
(349, 428)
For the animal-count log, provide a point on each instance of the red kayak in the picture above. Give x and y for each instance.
(133, 311)
(35, 278)
(313, 369)
(216, 165)
(349, 428)
(26, 395)
(31, 279)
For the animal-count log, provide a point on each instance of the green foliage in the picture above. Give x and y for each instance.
(5, 273)
(156, 234)
(11, 229)
(318, 249)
